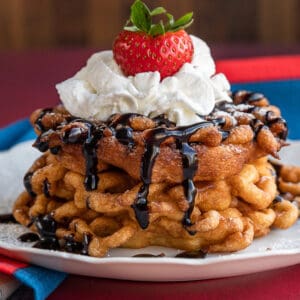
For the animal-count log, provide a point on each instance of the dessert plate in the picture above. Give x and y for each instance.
(279, 249)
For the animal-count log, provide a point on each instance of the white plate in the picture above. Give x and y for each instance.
(279, 249)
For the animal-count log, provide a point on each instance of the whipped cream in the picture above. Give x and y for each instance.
(100, 89)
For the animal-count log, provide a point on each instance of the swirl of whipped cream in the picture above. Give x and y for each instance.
(100, 89)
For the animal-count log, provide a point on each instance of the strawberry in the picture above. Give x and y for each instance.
(147, 47)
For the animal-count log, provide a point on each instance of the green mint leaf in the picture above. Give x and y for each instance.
(140, 16)
(157, 11)
(184, 21)
(157, 29)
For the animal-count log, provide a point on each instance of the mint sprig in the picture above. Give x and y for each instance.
(141, 20)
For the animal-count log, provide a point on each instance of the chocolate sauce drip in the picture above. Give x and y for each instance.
(189, 161)
(149, 255)
(38, 123)
(55, 150)
(77, 133)
(123, 119)
(125, 136)
(7, 218)
(192, 254)
(72, 246)
(225, 106)
(284, 133)
(46, 227)
(91, 160)
(252, 98)
(140, 206)
(161, 120)
(42, 142)
(87, 134)
(247, 97)
(27, 184)
(46, 188)
(246, 104)
(28, 237)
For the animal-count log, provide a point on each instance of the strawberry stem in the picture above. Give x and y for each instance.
(141, 20)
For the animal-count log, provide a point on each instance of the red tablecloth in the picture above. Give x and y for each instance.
(27, 81)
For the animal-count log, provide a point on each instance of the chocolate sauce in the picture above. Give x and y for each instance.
(46, 188)
(47, 243)
(149, 255)
(76, 135)
(246, 97)
(123, 119)
(7, 218)
(189, 161)
(41, 142)
(38, 123)
(161, 120)
(91, 160)
(85, 133)
(192, 254)
(46, 227)
(125, 136)
(72, 246)
(27, 184)
(55, 150)
(28, 237)
(277, 167)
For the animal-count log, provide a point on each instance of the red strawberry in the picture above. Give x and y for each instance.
(146, 47)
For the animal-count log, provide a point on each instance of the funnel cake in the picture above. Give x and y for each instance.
(134, 181)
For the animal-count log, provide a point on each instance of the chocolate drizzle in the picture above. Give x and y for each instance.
(28, 237)
(149, 255)
(39, 121)
(244, 102)
(189, 162)
(27, 184)
(91, 160)
(192, 254)
(85, 133)
(46, 188)
(7, 218)
(46, 227)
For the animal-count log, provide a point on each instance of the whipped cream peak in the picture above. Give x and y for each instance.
(100, 89)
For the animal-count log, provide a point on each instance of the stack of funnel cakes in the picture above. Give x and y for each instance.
(135, 181)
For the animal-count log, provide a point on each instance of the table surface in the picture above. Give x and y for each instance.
(27, 81)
